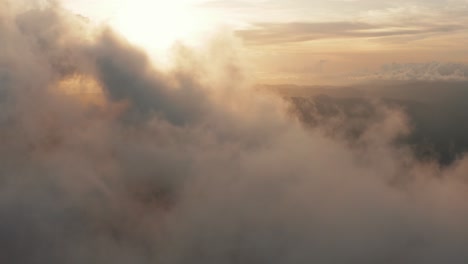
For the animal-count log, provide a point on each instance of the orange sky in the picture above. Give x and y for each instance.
(298, 41)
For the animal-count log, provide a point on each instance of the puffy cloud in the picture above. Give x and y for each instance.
(189, 166)
(433, 71)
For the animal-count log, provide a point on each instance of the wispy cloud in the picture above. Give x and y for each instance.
(277, 33)
(433, 71)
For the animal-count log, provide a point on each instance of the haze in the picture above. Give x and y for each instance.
(265, 131)
(301, 41)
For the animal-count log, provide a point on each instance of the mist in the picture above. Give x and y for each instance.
(107, 158)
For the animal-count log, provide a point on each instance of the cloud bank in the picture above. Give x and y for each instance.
(432, 71)
(190, 166)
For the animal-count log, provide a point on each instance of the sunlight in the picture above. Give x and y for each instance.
(156, 24)
(153, 24)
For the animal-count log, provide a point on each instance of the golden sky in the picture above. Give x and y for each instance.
(299, 41)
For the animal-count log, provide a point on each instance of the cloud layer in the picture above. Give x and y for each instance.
(277, 33)
(190, 166)
(432, 71)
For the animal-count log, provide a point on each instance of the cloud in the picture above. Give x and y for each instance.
(276, 33)
(432, 71)
(227, 4)
(190, 166)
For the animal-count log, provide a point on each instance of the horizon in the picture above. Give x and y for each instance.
(304, 42)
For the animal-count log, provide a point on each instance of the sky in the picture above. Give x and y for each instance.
(299, 41)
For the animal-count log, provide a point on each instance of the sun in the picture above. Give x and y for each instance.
(152, 24)
(156, 24)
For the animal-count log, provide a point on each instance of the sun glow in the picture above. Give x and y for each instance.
(157, 24)
(152, 24)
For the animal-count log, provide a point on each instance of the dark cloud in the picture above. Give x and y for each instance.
(127, 74)
(189, 166)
